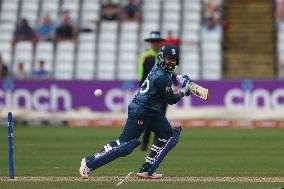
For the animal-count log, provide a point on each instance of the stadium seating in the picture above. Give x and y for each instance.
(9, 10)
(211, 57)
(85, 67)
(6, 52)
(171, 16)
(109, 50)
(90, 13)
(45, 51)
(190, 36)
(150, 19)
(127, 51)
(50, 7)
(64, 60)
(72, 7)
(24, 53)
(280, 49)
(29, 11)
(250, 45)
(281, 41)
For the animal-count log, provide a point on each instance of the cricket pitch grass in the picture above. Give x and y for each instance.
(49, 157)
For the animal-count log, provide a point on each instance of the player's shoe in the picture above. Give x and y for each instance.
(144, 175)
(84, 170)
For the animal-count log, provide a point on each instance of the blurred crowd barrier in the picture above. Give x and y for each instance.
(187, 117)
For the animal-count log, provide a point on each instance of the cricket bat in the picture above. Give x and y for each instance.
(196, 89)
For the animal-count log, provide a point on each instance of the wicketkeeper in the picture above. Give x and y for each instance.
(145, 111)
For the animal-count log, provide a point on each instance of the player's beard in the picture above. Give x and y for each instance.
(169, 67)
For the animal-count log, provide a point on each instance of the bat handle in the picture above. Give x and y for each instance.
(192, 87)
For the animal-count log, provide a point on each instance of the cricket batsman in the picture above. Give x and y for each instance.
(145, 110)
(146, 62)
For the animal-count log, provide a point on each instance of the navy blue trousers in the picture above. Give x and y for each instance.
(137, 122)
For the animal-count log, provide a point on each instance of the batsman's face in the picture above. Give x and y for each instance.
(170, 63)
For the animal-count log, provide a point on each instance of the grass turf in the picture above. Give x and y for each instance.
(49, 151)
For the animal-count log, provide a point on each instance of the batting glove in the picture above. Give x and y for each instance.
(186, 81)
(185, 90)
(183, 80)
(188, 92)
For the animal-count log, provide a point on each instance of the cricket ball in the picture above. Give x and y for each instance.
(98, 92)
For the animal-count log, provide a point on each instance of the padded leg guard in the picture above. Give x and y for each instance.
(123, 149)
(170, 144)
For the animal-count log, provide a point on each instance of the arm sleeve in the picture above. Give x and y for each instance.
(164, 88)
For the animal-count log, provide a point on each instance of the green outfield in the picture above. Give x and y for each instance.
(201, 152)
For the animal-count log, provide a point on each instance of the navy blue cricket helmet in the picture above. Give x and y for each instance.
(172, 51)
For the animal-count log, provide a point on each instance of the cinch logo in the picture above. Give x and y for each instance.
(42, 99)
(258, 98)
(117, 100)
